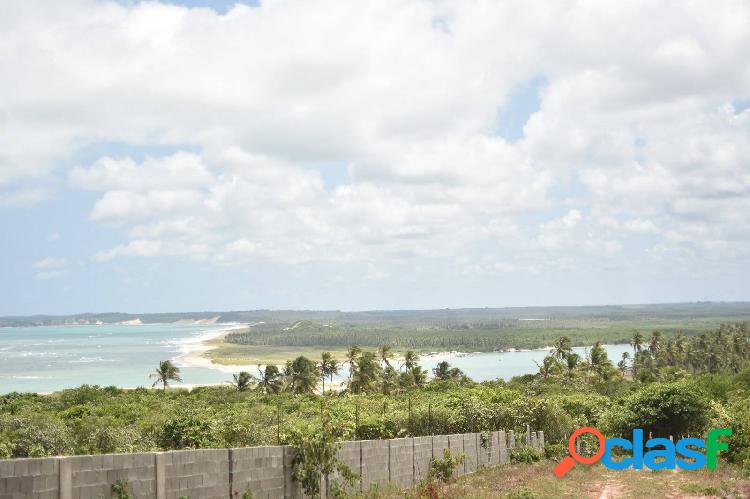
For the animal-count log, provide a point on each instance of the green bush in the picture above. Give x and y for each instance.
(187, 431)
(374, 431)
(36, 435)
(525, 455)
(739, 443)
(443, 469)
(315, 456)
(120, 489)
(677, 408)
(554, 451)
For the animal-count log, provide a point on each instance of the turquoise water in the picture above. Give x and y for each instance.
(493, 365)
(52, 358)
(43, 359)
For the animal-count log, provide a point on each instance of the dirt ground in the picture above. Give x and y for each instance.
(596, 482)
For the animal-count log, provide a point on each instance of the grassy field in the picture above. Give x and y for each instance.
(537, 481)
(469, 330)
(231, 354)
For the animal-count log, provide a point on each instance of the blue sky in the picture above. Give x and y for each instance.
(292, 156)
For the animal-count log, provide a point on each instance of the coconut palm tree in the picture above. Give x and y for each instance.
(420, 376)
(623, 364)
(549, 366)
(302, 375)
(386, 354)
(442, 371)
(327, 367)
(636, 341)
(571, 361)
(654, 345)
(269, 380)
(389, 380)
(445, 372)
(366, 374)
(410, 359)
(352, 354)
(561, 347)
(165, 373)
(242, 381)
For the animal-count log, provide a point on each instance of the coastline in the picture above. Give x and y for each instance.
(192, 354)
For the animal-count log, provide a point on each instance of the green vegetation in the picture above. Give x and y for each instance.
(681, 386)
(278, 336)
(120, 489)
(315, 457)
(525, 454)
(165, 373)
(442, 469)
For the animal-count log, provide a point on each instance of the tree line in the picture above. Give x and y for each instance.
(367, 372)
(654, 358)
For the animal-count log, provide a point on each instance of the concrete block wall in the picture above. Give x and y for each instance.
(93, 476)
(258, 469)
(200, 473)
(30, 478)
(223, 473)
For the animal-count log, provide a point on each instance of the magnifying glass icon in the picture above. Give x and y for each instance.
(567, 463)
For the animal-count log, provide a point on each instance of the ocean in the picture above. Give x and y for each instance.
(49, 358)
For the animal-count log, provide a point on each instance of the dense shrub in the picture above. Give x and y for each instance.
(374, 430)
(739, 421)
(34, 436)
(187, 431)
(664, 409)
(555, 451)
(442, 469)
(525, 455)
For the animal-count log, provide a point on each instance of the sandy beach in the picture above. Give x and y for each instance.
(193, 351)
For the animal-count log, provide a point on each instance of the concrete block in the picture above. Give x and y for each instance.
(439, 444)
(66, 478)
(471, 452)
(292, 489)
(422, 457)
(375, 457)
(504, 449)
(456, 446)
(350, 453)
(401, 462)
(258, 469)
(488, 453)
